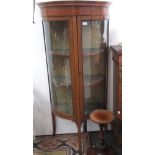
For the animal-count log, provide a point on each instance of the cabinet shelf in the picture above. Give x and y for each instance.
(92, 80)
(86, 52)
(60, 52)
(62, 81)
(92, 51)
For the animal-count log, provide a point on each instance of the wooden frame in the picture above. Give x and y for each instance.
(74, 8)
(71, 58)
(80, 19)
(117, 58)
(117, 93)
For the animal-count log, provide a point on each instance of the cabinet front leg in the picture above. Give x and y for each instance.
(79, 136)
(53, 123)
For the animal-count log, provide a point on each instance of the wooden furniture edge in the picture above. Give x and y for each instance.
(74, 3)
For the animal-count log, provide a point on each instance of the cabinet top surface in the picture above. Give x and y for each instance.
(73, 2)
(45, 1)
(74, 8)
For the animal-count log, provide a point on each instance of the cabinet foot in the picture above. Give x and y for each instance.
(53, 123)
(79, 135)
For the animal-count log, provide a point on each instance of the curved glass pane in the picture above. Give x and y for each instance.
(94, 46)
(58, 55)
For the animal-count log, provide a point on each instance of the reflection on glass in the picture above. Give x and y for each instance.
(59, 35)
(94, 43)
(59, 66)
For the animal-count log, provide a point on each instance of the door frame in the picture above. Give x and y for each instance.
(81, 85)
(72, 39)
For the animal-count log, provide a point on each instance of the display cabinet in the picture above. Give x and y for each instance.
(76, 42)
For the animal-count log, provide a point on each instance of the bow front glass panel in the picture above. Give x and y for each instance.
(58, 59)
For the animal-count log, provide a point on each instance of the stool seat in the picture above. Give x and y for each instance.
(101, 116)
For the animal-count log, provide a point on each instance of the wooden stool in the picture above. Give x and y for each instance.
(101, 117)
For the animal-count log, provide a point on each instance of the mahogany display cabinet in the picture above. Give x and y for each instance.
(76, 45)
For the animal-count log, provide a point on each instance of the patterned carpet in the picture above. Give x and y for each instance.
(53, 152)
(67, 144)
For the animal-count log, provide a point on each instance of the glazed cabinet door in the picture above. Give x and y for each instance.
(59, 53)
(93, 43)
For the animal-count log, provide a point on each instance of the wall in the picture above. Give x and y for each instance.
(42, 121)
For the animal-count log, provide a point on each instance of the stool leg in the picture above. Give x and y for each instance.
(85, 126)
(102, 147)
(101, 135)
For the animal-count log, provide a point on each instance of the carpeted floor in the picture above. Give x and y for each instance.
(66, 144)
(53, 152)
